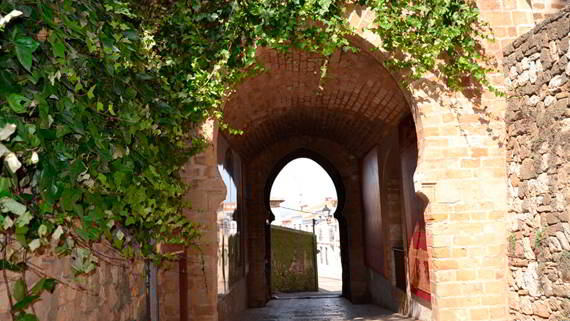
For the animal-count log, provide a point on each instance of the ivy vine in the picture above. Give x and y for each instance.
(441, 36)
(95, 93)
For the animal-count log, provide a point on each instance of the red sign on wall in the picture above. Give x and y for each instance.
(418, 262)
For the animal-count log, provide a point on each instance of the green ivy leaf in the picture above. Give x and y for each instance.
(111, 111)
(24, 303)
(25, 47)
(57, 233)
(19, 103)
(46, 284)
(58, 48)
(90, 92)
(26, 317)
(8, 223)
(24, 219)
(10, 205)
(130, 220)
(19, 290)
(5, 185)
(15, 267)
(7, 131)
(35, 244)
(42, 230)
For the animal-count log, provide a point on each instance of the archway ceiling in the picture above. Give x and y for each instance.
(355, 105)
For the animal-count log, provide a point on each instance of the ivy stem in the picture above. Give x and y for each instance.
(7, 241)
(102, 256)
(26, 281)
(38, 270)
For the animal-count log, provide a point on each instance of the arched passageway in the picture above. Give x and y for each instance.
(448, 163)
(351, 123)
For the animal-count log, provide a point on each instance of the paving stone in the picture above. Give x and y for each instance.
(319, 309)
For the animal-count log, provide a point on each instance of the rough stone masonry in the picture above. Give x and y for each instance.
(538, 160)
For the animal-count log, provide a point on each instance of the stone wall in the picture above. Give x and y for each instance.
(111, 293)
(538, 160)
(545, 8)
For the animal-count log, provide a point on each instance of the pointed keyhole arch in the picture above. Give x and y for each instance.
(321, 166)
(303, 186)
(314, 161)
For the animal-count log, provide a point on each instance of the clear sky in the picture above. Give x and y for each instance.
(302, 181)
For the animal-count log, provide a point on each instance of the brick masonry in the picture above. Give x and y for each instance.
(538, 159)
(461, 168)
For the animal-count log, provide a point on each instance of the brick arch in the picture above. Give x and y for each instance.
(343, 167)
(354, 104)
(289, 107)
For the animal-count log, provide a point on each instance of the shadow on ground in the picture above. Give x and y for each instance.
(319, 308)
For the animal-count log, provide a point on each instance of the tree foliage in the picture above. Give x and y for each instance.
(100, 99)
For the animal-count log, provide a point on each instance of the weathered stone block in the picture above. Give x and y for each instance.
(527, 170)
(544, 77)
(542, 309)
(561, 290)
(526, 305)
(563, 240)
(557, 81)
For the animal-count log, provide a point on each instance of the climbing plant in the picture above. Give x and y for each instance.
(441, 36)
(95, 93)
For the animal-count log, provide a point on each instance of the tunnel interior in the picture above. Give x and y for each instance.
(357, 124)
